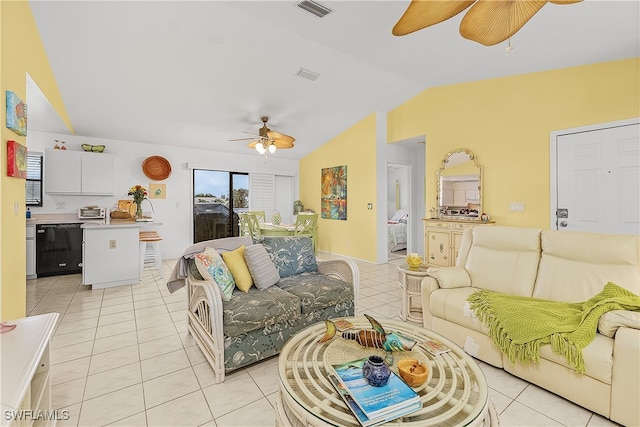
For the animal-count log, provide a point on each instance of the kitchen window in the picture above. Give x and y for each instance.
(34, 179)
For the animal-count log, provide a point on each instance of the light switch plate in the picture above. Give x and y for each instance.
(516, 206)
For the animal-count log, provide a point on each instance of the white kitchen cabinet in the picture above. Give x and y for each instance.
(26, 377)
(78, 173)
(110, 255)
(31, 251)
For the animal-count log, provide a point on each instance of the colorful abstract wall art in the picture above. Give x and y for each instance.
(16, 114)
(333, 193)
(16, 160)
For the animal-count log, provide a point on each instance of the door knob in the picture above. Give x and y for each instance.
(563, 223)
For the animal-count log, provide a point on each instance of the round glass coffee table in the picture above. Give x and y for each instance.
(455, 393)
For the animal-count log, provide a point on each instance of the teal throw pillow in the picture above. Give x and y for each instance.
(291, 254)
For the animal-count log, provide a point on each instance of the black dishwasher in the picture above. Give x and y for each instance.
(58, 249)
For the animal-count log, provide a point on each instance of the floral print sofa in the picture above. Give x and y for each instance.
(254, 325)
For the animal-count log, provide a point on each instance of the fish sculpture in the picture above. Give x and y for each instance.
(376, 337)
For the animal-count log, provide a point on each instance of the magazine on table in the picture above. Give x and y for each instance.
(363, 420)
(395, 397)
(435, 347)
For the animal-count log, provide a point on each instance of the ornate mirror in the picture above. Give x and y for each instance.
(460, 186)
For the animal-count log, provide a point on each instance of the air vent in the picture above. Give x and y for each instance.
(306, 74)
(315, 8)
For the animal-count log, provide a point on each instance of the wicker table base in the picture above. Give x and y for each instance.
(456, 392)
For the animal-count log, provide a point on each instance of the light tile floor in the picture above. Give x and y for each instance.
(123, 357)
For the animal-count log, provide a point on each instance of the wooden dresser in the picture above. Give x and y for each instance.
(442, 239)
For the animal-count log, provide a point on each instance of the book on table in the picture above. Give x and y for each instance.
(393, 400)
(363, 420)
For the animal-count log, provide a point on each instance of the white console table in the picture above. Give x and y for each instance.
(26, 379)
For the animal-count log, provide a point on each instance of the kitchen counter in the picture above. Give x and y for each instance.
(111, 254)
(119, 223)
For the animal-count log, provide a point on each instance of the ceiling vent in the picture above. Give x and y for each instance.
(306, 74)
(314, 7)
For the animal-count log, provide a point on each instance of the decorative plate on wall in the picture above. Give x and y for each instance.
(156, 168)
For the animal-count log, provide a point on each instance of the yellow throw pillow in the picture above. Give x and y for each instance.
(238, 267)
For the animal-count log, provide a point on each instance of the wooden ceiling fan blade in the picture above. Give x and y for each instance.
(490, 22)
(280, 137)
(283, 145)
(424, 13)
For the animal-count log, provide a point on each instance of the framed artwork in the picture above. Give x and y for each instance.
(333, 193)
(16, 114)
(157, 191)
(16, 160)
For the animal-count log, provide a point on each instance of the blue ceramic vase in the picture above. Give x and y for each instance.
(376, 371)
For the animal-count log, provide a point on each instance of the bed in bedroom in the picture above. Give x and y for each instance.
(397, 231)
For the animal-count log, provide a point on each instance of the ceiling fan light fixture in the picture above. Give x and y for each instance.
(260, 148)
(272, 148)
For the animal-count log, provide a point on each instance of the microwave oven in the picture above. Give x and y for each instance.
(92, 212)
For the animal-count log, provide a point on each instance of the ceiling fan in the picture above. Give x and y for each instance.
(487, 22)
(267, 139)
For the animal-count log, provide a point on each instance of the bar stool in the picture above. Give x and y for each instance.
(150, 251)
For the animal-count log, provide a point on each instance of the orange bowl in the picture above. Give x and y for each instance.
(413, 371)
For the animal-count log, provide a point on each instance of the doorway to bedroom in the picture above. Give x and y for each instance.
(398, 208)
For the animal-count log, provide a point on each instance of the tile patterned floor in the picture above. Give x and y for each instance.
(123, 357)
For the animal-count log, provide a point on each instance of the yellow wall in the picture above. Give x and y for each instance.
(355, 148)
(22, 52)
(506, 122)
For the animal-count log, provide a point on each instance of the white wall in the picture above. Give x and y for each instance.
(175, 212)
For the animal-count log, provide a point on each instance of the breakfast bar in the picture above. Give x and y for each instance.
(110, 253)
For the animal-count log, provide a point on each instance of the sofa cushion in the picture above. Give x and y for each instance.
(238, 267)
(263, 272)
(256, 309)
(503, 259)
(291, 254)
(452, 305)
(598, 358)
(612, 320)
(576, 265)
(211, 267)
(450, 277)
(317, 291)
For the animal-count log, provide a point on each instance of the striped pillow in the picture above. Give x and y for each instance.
(262, 269)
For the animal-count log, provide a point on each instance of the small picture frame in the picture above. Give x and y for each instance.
(157, 191)
(16, 114)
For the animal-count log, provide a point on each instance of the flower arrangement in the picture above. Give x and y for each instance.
(139, 194)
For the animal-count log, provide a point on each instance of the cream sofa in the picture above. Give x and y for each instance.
(552, 265)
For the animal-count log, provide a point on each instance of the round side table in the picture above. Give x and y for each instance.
(410, 279)
(455, 394)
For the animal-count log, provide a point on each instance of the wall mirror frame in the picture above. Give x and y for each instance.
(459, 186)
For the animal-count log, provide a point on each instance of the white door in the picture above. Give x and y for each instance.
(598, 180)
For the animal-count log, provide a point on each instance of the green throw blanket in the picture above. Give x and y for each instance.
(520, 325)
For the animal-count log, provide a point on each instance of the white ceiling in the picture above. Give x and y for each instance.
(199, 73)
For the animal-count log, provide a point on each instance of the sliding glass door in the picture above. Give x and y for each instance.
(218, 196)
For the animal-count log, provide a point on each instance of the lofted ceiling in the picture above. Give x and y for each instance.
(197, 74)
